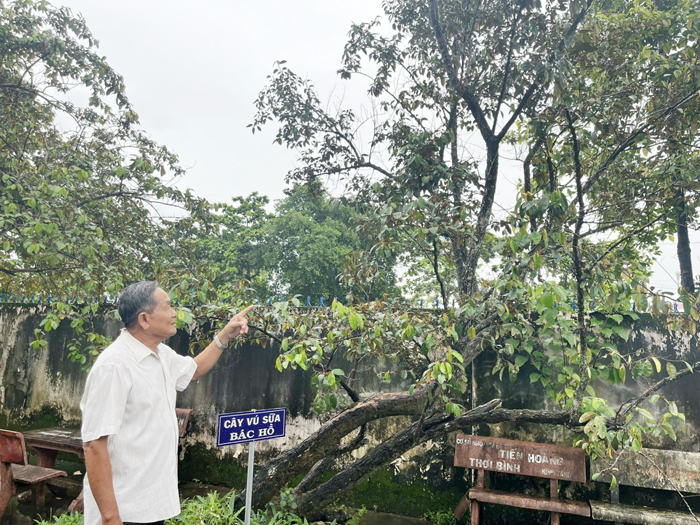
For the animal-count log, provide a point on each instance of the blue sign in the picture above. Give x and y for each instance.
(256, 425)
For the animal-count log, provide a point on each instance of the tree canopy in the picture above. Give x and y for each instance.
(597, 98)
(88, 201)
(593, 97)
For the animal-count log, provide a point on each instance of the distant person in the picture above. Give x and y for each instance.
(129, 430)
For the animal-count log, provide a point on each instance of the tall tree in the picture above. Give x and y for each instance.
(88, 202)
(311, 240)
(239, 250)
(551, 75)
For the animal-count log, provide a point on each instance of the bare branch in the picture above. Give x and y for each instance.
(457, 84)
(626, 408)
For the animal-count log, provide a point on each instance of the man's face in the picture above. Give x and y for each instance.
(161, 322)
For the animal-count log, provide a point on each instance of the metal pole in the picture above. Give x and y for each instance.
(249, 484)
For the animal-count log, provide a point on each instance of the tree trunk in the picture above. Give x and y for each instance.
(482, 222)
(683, 243)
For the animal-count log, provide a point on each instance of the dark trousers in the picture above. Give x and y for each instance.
(154, 523)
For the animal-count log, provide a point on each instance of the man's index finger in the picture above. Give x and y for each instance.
(244, 312)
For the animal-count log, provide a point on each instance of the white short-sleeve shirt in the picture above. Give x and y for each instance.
(130, 397)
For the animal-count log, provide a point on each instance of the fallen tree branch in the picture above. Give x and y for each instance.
(323, 465)
(278, 472)
(419, 432)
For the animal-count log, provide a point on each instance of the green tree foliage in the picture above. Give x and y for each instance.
(602, 97)
(239, 249)
(310, 240)
(308, 247)
(86, 198)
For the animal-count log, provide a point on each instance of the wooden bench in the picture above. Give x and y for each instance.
(48, 442)
(15, 470)
(522, 458)
(652, 469)
(183, 417)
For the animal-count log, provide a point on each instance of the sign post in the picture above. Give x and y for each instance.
(249, 427)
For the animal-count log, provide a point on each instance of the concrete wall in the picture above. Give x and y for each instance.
(37, 381)
(41, 388)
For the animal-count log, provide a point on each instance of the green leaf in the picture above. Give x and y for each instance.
(636, 445)
(521, 360)
(673, 408)
(547, 299)
(669, 430)
(671, 369)
(621, 332)
(587, 416)
(550, 315)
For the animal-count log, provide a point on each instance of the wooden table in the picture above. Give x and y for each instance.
(48, 442)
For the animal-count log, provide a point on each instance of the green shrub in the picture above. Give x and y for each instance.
(73, 518)
(441, 517)
(211, 509)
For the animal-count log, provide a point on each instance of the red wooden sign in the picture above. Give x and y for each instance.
(520, 457)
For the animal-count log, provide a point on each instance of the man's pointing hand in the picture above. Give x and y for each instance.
(237, 325)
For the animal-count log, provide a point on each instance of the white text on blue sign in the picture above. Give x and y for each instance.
(244, 427)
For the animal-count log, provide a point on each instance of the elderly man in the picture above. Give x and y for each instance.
(129, 431)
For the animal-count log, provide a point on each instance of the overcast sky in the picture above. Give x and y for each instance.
(194, 68)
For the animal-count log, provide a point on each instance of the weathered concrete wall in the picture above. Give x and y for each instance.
(648, 335)
(43, 387)
(40, 388)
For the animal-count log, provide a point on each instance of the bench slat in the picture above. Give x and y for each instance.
(641, 515)
(578, 508)
(32, 474)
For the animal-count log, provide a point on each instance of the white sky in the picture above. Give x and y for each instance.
(194, 68)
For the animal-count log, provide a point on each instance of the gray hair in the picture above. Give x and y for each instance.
(136, 298)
